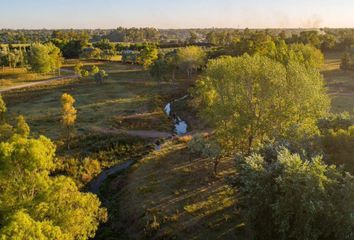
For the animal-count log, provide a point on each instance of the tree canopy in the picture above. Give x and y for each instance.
(36, 204)
(288, 197)
(68, 115)
(190, 58)
(253, 98)
(44, 58)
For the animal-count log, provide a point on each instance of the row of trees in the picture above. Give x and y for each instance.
(41, 58)
(12, 58)
(324, 40)
(134, 35)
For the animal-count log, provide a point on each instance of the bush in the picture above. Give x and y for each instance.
(335, 122)
(347, 62)
(338, 147)
(286, 197)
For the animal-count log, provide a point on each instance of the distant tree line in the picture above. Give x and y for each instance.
(325, 39)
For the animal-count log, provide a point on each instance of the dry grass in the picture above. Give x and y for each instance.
(169, 197)
(17, 76)
(340, 83)
(126, 92)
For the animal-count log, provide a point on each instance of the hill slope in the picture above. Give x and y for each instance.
(165, 196)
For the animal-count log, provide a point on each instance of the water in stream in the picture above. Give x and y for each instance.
(181, 127)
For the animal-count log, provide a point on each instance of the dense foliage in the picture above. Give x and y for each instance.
(36, 205)
(286, 197)
(44, 58)
(250, 99)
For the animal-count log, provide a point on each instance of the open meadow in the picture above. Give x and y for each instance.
(340, 83)
(125, 94)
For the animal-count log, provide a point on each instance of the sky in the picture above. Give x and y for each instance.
(108, 14)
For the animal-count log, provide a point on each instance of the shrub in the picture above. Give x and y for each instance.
(286, 197)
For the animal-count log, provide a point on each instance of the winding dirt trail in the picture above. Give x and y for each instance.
(32, 84)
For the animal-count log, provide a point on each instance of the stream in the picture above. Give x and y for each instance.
(181, 128)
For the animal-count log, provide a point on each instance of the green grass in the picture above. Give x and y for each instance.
(340, 83)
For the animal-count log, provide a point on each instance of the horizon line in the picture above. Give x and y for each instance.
(188, 28)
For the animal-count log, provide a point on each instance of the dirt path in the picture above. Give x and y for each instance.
(32, 84)
(342, 94)
(134, 133)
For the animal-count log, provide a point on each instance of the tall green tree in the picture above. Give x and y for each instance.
(307, 55)
(44, 58)
(190, 59)
(55, 56)
(252, 99)
(147, 56)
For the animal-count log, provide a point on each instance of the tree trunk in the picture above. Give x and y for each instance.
(249, 147)
(68, 138)
(173, 75)
(189, 74)
(216, 164)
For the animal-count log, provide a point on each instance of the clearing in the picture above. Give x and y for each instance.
(340, 83)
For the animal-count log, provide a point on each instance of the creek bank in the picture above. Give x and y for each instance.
(181, 128)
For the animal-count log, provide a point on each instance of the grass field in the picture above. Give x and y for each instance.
(126, 92)
(168, 197)
(340, 83)
(18, 76)
(116, 121)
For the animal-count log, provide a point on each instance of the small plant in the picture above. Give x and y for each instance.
(78, 68)
(3, 109)
(152, 226)
(69, 116)
(22, 127)
(195, 146)
(205, 148)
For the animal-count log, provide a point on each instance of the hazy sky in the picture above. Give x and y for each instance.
(175, 13)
